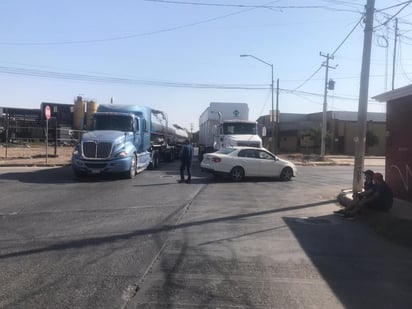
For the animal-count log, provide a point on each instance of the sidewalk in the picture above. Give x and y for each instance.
(313, 160)
(395, 225)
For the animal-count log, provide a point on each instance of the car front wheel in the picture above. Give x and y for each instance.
(237, 173)
(286, 174)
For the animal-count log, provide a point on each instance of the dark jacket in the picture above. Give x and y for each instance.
(187, 153)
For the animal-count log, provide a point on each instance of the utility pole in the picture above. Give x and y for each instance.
(274, 148)
(360, 139)
(394, 53)
(325, 103)
(277, 116)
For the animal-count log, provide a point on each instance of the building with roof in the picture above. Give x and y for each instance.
(22, 125)
(398, 171)
(302, 132)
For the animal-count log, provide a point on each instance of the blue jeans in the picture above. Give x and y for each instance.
(185, 164)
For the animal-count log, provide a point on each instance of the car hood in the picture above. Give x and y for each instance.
(287, 163)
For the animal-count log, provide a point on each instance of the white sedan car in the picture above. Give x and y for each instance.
(240, 162)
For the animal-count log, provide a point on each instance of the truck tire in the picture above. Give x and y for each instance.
(157, 160)
(133, 166)
(171, 156)
(154, 162)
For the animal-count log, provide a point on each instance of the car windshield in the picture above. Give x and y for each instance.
(113, 122)
(239, 128)
(225, 150)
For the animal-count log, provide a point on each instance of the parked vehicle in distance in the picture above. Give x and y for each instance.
(240, 162)
(225, 124)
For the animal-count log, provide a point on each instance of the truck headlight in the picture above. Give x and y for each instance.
(122, 154)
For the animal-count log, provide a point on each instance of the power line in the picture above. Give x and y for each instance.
(130, 81)
(406, 3)
(280, 7)
(309, 78)
(340, 45)
(348, 35)
(131, 36)
(170, 29)
(400, 60)
(395, 5)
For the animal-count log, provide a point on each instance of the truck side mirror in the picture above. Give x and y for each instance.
(264, 131)
(215, 130)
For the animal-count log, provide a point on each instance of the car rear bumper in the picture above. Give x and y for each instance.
(208, 170)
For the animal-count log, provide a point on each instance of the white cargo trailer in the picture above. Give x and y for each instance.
(225, 124)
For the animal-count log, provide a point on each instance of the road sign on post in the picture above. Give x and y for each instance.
(47, 112)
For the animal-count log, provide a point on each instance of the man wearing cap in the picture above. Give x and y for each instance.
(381, 199)
(368, 186)
(368, 190)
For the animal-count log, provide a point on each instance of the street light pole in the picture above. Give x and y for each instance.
(274, 148)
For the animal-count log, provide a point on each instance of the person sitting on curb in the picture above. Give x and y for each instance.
(368, 186)
(368, 190)
(381, 199)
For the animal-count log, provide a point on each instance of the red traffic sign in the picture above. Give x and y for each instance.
(47, 112)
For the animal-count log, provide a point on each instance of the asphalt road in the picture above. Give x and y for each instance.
(153, 243)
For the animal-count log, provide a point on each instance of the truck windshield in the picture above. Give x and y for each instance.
(239, 128)
(113, 122)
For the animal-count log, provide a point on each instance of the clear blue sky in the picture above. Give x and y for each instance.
(52, 51)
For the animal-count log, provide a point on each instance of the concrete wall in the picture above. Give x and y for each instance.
(379, 129)
(349, 129)
(399, 147)
(343, 130)
(289, 143)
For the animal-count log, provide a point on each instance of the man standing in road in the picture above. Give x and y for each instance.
(186, 161)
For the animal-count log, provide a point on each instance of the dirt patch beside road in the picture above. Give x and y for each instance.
(34, 155)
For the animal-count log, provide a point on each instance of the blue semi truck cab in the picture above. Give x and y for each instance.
(124, 139)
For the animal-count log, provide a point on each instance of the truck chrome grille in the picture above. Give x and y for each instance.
(97, 150)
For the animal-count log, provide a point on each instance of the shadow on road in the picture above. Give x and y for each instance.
(56, 175)
(354, 262)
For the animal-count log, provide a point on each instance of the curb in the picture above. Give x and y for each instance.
(321, 164)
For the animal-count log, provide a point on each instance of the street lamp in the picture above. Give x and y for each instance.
(274, 148)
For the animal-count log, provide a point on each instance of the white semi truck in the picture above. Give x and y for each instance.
(225, 124)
